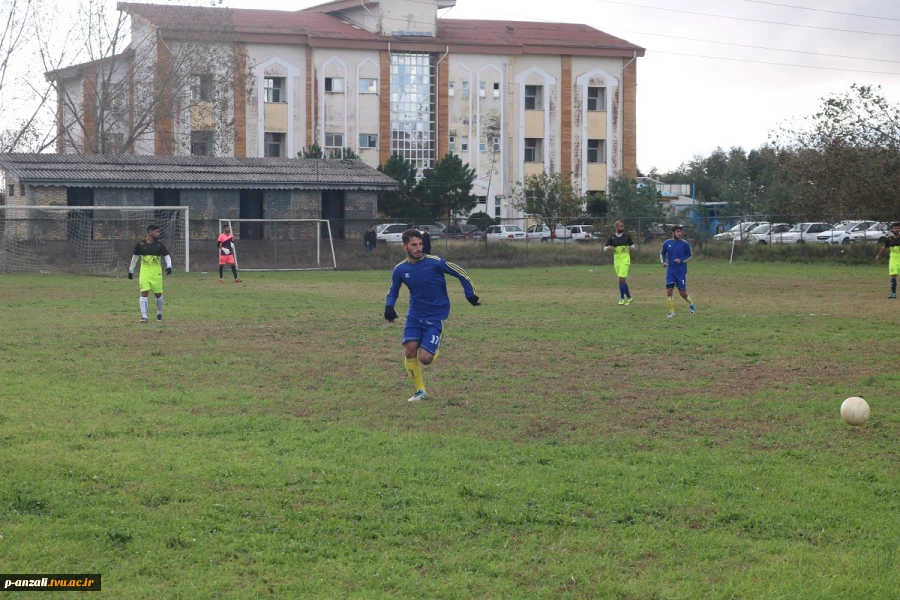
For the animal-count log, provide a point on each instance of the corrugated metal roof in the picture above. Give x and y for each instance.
(101, 170)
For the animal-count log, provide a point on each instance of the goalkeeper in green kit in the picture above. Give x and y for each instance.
(151, 252)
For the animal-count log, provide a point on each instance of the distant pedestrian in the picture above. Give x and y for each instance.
(370, 238)
(892, 245)
(621, 245)
(426, 241)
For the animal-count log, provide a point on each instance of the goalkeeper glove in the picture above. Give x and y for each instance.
(473, 300)
(130, 275)
(389, 313)
(226, 251)
(168, 270)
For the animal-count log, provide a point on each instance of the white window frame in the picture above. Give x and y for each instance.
(202, 87)
(368, 141)
(464, 144)
(536, 97)
(451, 88)
(336, 140)
(452, 146)
(497, 90)
(537, 149)
(368, 85)
(482, 89)
(496, 143)
(465, 89)
(599, 101)
(267, 89)
(334, 85)
(208, 141)
(598, 149)
(267, 143)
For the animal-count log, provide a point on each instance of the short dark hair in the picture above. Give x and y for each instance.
(411, 233)
(152, 228)
(677, 228)
(897, 224)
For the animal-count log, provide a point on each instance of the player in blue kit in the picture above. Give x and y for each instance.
(674, 255)
(429, 305)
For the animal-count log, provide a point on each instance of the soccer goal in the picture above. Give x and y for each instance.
(282, 244)
(97, 240)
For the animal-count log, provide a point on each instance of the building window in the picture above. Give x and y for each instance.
(201, 88)
(534, 97)
(274, 142)
(482, 86)
(368, 86)
(496, 143)
(116, 99)
(482, 147)
(452, 143)
(112, 143)
(451, 89)
(334, 140)
(334, 85)
(202, 143)
(464, 144)
(496, 90)
(12, 190)
(368, 140)
(413, 107)
(596, 151)
(496, 206)
(534, 150)
(596, 99)
(274, 89)
(465, 89)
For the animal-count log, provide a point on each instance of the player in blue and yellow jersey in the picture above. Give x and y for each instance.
(429, 305)
(675, 255)
(150, 252)
(621, 245)
(892, 245)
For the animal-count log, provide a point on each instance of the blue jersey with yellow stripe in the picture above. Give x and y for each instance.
(427, 287)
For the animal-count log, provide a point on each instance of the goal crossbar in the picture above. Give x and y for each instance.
(318, 240)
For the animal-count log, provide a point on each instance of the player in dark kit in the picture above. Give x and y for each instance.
(892, 245)
(621, 245)
(150, 252)
(674, 255)
(429, 305)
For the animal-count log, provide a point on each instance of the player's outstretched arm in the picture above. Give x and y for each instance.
(457, 271)
(391, 299)
(134, 261)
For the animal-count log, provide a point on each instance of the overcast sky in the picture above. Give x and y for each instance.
(688, 104)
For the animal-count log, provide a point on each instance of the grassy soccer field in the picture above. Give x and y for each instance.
(258, 443)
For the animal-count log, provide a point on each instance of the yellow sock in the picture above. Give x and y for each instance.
(671, 302)
(688, 299)
(414, 370)
(436, 354)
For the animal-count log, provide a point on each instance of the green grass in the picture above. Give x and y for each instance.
(258, 442)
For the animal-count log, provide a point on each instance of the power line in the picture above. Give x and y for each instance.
(690, 12)
(676, 37)
(780, 64)
(823, 10)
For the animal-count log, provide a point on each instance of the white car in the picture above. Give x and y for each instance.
(541, 233)
(841, 233)
(504, 232)
(392, 232)
(739, 231)
(768, 234)
(804, 233)
(877, 233)
(581, 233)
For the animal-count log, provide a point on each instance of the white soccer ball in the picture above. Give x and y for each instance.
(855, 411)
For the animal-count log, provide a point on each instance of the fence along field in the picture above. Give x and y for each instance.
(258, 441)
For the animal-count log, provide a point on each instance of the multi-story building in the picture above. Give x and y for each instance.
(376, 76)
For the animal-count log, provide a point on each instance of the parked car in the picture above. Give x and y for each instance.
(541, 233)
(804, 233)
(504, 232)
(877, 232)
(581, 233)
(460, 231)
(739, 231)
(392, 232)
(841, 233)
(768, 234)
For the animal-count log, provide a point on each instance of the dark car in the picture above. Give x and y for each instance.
(458, 231)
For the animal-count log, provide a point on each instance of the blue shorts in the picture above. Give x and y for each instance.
(678, 280)
(425, 331)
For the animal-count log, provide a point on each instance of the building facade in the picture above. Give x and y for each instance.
(377, 77)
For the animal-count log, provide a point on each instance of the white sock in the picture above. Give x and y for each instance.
(144, 304)
(159, 305)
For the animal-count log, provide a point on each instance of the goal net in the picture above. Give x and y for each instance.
(96, 240)
(282, 244)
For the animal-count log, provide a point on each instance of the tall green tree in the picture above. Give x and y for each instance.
(633, 205)
(446, 189)
(549, 198)
(401, 202)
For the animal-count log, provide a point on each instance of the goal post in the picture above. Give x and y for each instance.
(283, 244)
(96, 240)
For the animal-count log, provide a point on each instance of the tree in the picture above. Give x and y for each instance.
(481, 220)
(550, 198)
(315, 151)
(131, 83)
(446, 189)
(633, 205)
(402, 201)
